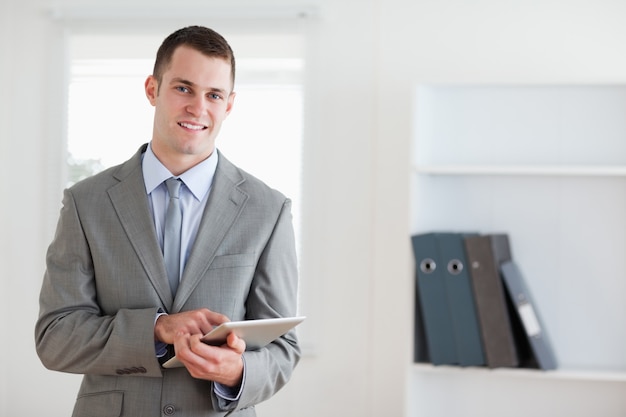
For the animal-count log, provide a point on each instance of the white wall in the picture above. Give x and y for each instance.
(365, 57)
(517, 42)
(4, 189)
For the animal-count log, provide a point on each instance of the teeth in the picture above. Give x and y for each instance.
(192, 127)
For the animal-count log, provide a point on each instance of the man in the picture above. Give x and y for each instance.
(107, 309)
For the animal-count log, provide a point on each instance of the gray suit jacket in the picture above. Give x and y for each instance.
(105, 281)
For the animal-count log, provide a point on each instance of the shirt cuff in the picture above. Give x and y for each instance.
(231, 393)
(160, 348)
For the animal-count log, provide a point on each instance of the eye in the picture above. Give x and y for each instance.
(182, 89)
(215, 96)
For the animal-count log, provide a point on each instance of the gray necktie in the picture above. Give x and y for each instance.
(171, 236)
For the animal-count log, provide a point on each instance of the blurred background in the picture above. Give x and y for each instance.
(326, 111)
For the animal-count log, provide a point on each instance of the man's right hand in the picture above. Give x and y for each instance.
(200, 321)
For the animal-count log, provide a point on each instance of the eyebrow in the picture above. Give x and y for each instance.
(188, 83)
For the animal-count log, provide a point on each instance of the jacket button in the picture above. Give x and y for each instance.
(169, 409)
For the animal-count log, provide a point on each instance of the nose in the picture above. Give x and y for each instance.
(196, 106)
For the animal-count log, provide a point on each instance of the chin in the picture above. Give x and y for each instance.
(195, 150)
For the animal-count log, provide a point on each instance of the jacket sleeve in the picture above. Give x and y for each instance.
(72, 333)
(273, 293)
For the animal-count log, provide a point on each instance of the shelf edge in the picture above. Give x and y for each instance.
(559, 374)
(523, 170)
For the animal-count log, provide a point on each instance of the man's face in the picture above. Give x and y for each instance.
(193, 99)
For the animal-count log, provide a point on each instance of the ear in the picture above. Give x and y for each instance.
(152, 87)
(231, 101)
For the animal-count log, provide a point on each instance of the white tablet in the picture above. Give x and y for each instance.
(256, 333)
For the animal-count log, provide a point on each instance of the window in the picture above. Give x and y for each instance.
(109, 116)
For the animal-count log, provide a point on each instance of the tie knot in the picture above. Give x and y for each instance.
(173, 187)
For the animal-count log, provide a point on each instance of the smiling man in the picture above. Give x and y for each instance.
(192, 95)
(115, 304)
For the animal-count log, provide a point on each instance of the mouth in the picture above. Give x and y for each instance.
(192, 126)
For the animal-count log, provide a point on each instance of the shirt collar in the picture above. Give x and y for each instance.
(198, 179)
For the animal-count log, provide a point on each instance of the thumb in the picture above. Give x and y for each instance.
(236, 343)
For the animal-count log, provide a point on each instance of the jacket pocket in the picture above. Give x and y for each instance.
(244, 412)
(100, 404)
(233, 261)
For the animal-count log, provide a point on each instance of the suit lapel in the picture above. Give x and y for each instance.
(131, 205)
(223, 207)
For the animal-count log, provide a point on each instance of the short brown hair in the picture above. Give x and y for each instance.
(202, 39)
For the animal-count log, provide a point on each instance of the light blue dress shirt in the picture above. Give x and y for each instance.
(194, 194)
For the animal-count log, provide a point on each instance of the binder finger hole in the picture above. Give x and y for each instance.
(455, 267)
(428, 266)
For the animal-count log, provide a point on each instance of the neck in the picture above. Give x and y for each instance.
(178, 163)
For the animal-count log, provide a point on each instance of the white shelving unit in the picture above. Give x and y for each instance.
(547, 165)
(547, 170)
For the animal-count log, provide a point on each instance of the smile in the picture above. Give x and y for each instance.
(191, 126)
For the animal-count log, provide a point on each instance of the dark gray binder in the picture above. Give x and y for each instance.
(527, 313)
(490, 297)
(420, 347)
(433, 320)
(461, 299)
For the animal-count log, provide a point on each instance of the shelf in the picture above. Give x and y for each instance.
(560, 374)
(524, 170)
(545, 165)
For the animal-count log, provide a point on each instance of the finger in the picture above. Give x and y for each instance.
(200, 350)
(188, 350)
(199, 321)
(236, 343)
(202, 320)
(215, 318)
(181, 343)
